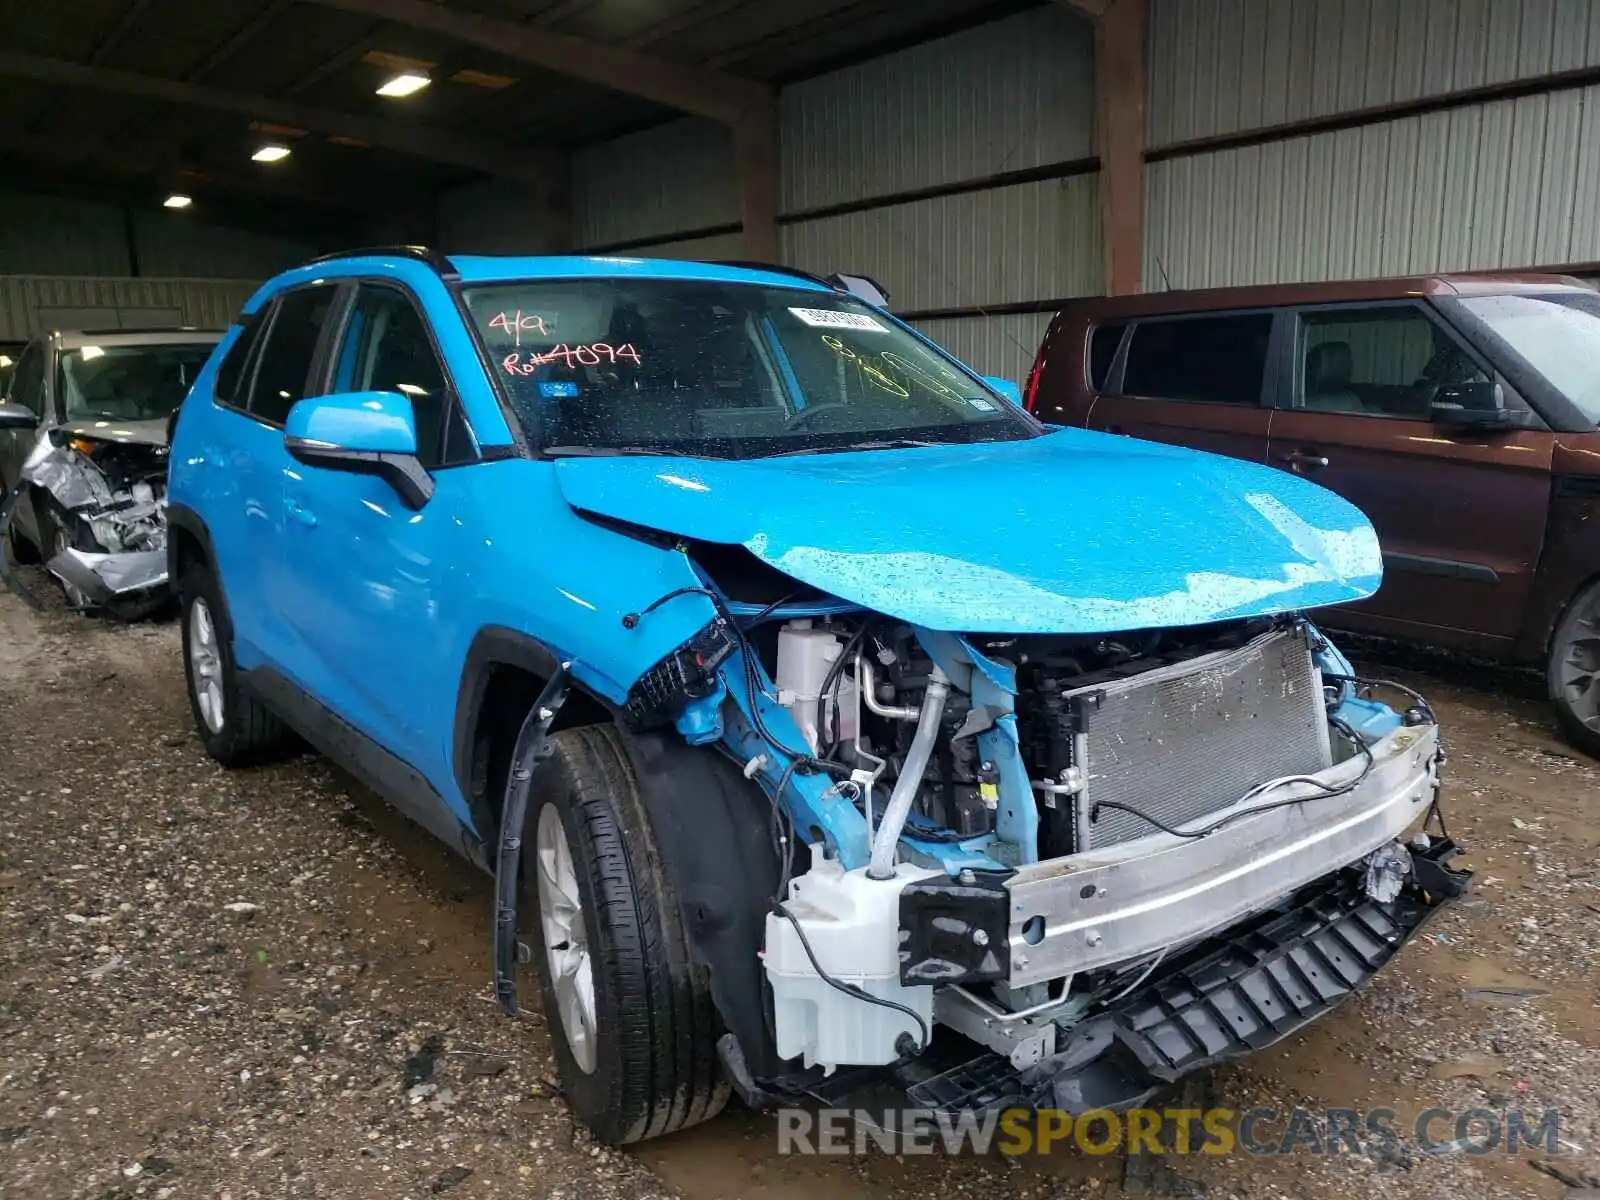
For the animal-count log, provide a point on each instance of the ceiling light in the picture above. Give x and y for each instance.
(404, 85)
(5, 361)
(90, 352)
(270, 153)
(177, 200)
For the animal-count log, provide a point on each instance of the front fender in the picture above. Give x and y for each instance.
(1570, 560)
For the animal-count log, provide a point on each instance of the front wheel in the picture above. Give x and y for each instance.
(629, 1012)
(1573, 671)
(56, 527)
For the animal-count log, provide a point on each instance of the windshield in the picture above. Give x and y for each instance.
(129, 383)
(722, 370)
(1556, 333)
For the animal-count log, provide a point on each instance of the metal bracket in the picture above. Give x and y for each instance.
(1080, 705)
(533, 747)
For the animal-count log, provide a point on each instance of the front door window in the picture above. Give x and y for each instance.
(1378, 362)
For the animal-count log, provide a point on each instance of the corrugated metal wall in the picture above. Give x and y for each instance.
(1013, 95)
(54, 235)
(1030, 241)
(495, 216)
(1003, 345)
(64, 260)
(1006, 96)
(171, 245)
(720, 245)
(1224, 66)
(41, 234)
(1507, 184)
(1502, 183)
(663, 181)
(209, 303)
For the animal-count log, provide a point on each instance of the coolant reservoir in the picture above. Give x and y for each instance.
(805, 656)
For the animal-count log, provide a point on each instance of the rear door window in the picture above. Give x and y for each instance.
(290, 351)
(1211, 360)
(1388, 361)
(1103, 345)
(231, 374)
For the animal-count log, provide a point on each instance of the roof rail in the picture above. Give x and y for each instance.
(422, 254)
(142, 329)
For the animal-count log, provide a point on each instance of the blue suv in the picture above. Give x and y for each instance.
(812, 705)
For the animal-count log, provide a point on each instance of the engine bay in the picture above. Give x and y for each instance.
(1000, 834)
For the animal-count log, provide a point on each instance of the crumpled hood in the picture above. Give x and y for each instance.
(110, 429)
(1074, 532)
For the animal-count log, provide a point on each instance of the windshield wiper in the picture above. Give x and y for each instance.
(611, 452)
(883, 444)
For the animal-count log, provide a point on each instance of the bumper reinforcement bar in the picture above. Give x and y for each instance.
(1232, 994)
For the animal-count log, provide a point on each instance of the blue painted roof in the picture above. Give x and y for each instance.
(482, 268)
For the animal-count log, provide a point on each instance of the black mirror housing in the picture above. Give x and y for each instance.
(403, 472)
(1479, 404)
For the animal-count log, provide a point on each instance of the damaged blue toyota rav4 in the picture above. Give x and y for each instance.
(830, 727)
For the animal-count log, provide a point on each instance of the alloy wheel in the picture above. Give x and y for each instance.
(566, 937)
(205, 665)
(1577, 665)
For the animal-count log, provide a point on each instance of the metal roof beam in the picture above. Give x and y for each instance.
(701, 91)
(1092, 10)
(440, 145)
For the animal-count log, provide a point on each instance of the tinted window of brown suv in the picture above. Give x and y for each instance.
(1378, 362)
(1103, 346)
(1217, 360)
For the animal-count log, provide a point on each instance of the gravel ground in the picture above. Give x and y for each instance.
(265, 984)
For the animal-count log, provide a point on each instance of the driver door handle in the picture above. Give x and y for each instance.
(1303, 461)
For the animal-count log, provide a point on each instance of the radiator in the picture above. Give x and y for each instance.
(1188, 739)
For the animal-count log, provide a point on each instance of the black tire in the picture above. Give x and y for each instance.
(247, 732)
(655, 1067)
(15, 546)
(1572, 671)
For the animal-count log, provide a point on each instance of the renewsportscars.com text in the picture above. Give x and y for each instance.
(1178, 1131)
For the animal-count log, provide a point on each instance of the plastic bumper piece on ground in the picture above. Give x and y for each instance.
(1231, 995)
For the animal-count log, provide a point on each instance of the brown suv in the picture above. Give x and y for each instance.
(1459, 412)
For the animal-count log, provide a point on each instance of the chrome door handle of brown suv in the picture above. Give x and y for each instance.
(1299, 458)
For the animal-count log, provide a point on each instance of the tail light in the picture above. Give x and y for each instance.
(1030, 394)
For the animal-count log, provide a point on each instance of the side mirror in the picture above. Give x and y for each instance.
(367, 433)
(1006, 387)
(1478, 404)
(16, 416)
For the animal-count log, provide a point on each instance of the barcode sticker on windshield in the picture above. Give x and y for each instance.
(827, 318)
